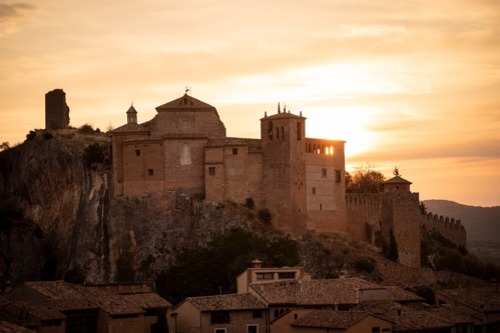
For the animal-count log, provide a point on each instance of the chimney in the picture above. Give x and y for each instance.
(256, 263)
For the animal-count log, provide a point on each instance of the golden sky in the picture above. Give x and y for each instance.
(412, 84)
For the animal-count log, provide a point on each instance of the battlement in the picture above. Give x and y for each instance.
(450, 228)
(366, 200)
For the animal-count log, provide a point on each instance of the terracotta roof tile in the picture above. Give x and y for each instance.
(480, 299)
(415, 320)
(330, 319)
(226, 302)
(6, 327)
(185, 102)
(130, 128)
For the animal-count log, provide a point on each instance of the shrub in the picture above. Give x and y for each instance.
(93, 154)
(47, 135)
(85, 128)
(31, 135)
(364, 264)
(249, 203)
(265, 216)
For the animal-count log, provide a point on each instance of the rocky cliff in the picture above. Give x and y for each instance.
(57, 220)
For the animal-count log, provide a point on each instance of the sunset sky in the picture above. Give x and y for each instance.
(412, 84)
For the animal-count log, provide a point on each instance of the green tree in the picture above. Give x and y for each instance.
(365, 181)
(213, 269)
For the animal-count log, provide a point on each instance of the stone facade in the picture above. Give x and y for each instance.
(185, 148)
(56, 110)
(300, 180)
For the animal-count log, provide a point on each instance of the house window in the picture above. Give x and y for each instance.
(220, 330)
(320, 206)
(338, 176)
(235, 151)
(265, 276)
(211, 171)
(375, 329)
(150, 172)
(286, 275)
(219, 317)
(314, 190)
(257, 314)
(137, 152)
(252, 328)
(324, 172)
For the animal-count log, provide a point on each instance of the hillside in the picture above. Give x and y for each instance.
(54, 202)
(482, 225)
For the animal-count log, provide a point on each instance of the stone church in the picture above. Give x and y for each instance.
(184, 148)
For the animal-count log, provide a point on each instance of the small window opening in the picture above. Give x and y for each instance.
(137, 152)
(235, 151)
(338, 176)
(324, 172)
(150, 172)
(211, 171)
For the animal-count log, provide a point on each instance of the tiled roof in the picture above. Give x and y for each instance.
(397, 180)
(453, 317)
(130, 128)
(43, 310)
(313, 292)
(380, 307)
(226, 302)
(330, 319)
(415, 320)
(184, 102)
(147, 300)
(6, 327)
(398, 294)
(479, 299)
(283, 115)
(54, 289)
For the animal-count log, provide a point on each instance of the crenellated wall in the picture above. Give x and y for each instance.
(449, 228)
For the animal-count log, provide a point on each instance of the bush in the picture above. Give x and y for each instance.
(93, 154)
(47, 135)
(249, 203)
(265, 216)
(364, 264)
(85, 128)
(31, 135)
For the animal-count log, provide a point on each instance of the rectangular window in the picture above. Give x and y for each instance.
(211, 171)
(286, 275)
(320, 206)
(314, 190)
(137, 152)
(338, 176)
(252, 328)
(219, 317)
(299, 131)
(150, 172)
(265, 276)
(235, 151)
(375, 329)
(324, 172)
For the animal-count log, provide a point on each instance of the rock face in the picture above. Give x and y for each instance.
(58, 220)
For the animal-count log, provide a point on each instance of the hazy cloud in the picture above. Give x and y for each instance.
(10, 14)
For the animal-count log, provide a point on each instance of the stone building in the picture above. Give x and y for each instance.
(300, 180)
(56, 110)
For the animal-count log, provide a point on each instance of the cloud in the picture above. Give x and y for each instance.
(10, 14)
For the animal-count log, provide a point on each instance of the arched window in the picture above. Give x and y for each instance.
(185, 155)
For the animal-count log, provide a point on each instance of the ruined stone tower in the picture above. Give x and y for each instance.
(56, 110)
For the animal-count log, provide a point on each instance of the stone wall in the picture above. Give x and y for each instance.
(449, 228)
(56, 110)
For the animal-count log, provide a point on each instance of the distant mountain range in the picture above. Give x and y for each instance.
(481, 223)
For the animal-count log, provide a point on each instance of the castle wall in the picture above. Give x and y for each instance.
(404, 209)
(325, 185)
(449, 228)
(143, 167)
(284, 172)
(184, 165)
(56, 110)
(364, 215)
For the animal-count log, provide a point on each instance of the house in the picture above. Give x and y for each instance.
(57, 306)
(330, 321)
(221, 314)
(481, 303)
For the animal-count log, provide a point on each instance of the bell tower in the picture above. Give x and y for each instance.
(284, 170)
